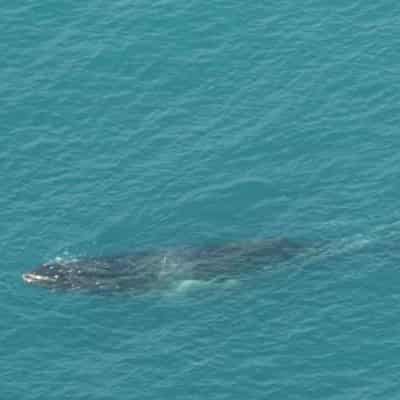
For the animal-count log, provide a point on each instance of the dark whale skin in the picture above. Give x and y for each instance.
(147, 270)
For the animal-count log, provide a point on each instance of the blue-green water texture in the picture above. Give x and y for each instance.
(131, 125)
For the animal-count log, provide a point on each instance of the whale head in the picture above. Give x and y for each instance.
(50, 275)
(84, 274)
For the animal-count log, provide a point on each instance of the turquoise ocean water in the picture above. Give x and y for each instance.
(132, 124)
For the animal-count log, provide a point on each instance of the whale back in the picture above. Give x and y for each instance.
(147, 270)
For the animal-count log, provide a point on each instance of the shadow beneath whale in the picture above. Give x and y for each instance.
(145, 271)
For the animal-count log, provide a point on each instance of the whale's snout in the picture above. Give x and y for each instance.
(28, 278)
(35, 278)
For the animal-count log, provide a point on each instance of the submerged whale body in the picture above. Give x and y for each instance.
(148, 270)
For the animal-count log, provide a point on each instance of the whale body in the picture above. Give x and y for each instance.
(147, 270)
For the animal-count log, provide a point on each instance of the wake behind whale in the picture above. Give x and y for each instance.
(152, 270)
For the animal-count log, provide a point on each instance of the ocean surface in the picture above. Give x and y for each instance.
(128, 125)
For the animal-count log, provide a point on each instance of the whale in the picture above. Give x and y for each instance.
(147, 270)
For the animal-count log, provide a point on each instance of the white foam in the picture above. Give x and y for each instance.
(189, 284)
